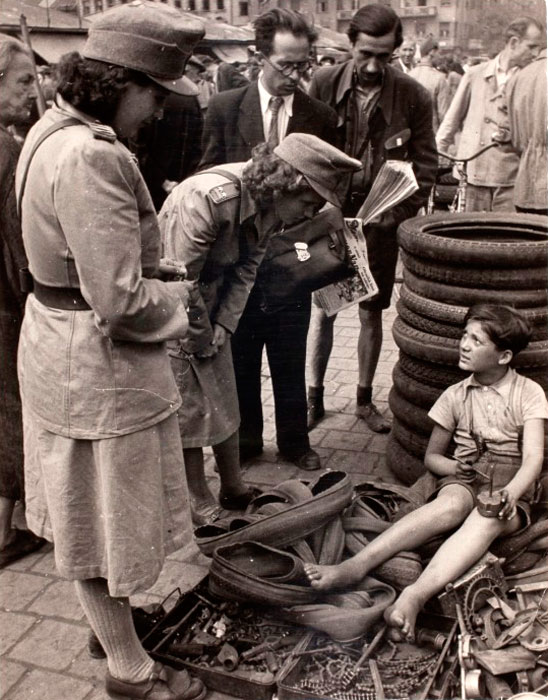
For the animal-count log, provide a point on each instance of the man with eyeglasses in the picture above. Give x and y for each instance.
(283, 39)
(237, 120)
(383, 114)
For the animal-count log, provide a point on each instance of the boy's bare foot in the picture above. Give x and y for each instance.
(403, 614)
(324, 578)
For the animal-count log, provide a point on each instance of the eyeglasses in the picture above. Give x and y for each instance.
(289, 67)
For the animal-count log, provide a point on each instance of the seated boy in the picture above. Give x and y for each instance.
(494, 416)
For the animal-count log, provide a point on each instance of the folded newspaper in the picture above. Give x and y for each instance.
(394, 183)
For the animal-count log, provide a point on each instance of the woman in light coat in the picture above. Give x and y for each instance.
(104, 465)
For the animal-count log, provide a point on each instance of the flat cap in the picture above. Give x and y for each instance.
(428, 45)
(324, 167)
(149, 38)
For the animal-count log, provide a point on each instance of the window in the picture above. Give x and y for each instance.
(192, 5)
(86, 7)
(421, 3)
(220, 4)
(99, 6)
(178, 4)
(110, 3)
(205, 5)
(445, 30)
(355, 4)
(446, 3)
(420, 28)
(244, 9)
(321, 6)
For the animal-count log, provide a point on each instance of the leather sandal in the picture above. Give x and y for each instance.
(164, 683)
(204, 515)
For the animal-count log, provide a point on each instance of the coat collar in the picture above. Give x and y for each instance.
(386, 98)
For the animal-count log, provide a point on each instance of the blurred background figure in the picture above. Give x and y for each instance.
(229, 77)
(405, 58)
(17, 97)
(429, 76)
(526, 96)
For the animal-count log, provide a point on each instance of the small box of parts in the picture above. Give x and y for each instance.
(234, 648)
(374, 667)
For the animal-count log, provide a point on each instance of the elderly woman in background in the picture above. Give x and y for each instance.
(219, 223)
(104, 464)
(17, 95)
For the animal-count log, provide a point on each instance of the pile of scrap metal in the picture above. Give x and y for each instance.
(500, 605)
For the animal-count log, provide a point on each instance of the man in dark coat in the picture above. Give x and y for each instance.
(237, 120)
(17, 95)
(383, 114)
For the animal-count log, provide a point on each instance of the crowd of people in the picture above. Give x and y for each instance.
(133, 312)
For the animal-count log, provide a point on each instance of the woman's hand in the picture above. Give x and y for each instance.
(173, 269)
(220, 335)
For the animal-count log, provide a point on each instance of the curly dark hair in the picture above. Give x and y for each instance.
(95, 87)
(375, 20)
(267, 175)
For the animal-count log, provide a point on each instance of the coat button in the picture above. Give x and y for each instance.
(487, 120)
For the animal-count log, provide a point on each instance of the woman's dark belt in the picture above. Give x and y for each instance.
(65, 298)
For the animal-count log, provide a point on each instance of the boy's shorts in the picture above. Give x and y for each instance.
(505, 470)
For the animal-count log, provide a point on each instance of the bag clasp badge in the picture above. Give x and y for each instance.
(302, 251)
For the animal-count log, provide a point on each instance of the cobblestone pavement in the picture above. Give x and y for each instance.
(43, 633)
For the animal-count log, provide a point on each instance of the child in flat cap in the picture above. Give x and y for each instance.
(104, 464)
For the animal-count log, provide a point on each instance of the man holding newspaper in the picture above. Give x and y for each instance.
(383, 116)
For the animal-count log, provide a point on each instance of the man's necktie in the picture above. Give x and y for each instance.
(273, 136)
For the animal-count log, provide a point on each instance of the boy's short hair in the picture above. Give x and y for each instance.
(506, 327)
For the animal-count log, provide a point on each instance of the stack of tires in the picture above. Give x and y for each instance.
(452, 261)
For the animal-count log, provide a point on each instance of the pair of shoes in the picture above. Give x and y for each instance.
(249, 453)
(373, 417)
(144, 619)
(20, 543)
(204, 514)
(309, 461)
(164, 683)
(241, 501)
(316, 410)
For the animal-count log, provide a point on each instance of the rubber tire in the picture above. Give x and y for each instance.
(403, 465)
(425, 324)
(519, 240)
(423, 395)
(411, 441)
(454, 315)
(409, 413)
(466, 296)
(445, 351)
(466, 276)
(438, 375)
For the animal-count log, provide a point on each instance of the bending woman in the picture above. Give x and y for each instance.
(218, 223)
(104, 465)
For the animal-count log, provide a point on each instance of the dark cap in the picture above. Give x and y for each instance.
(324, 167)
(428, 45)
(149, 38)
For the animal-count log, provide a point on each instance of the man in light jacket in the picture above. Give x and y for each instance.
(479, 109)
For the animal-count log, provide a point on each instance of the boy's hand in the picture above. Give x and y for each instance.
(508, 509)
(465, 472)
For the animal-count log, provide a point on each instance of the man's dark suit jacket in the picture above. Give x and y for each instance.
(233, 124)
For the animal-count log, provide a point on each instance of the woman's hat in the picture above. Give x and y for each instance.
(324, 167)
(149, 38)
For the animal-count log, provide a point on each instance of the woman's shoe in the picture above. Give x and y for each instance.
(241, 501)
(164, 683)
(204, 514)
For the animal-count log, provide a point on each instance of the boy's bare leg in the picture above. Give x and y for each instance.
(447, 511)
(455, 556)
